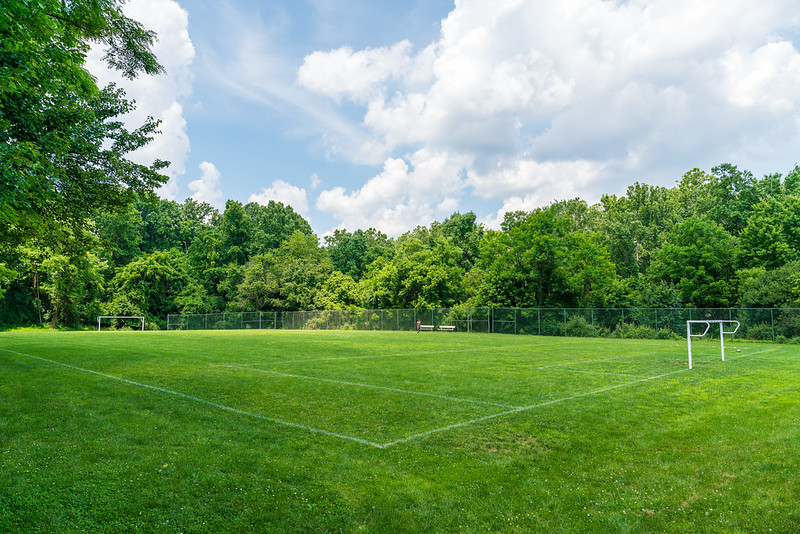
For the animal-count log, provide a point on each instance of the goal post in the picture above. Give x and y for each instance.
(708, 323)
(101, 317)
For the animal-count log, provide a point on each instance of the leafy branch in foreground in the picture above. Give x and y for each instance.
(63, 154)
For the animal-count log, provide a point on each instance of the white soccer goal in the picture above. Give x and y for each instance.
(101, 317)
(708, 322)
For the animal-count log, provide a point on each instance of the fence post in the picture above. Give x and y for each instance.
(772, 322)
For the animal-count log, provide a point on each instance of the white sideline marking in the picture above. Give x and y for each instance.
(742, 355)
(524, 408)
(581, 362)
(203, 401)
(369, 356)
(590, 372)
(372, 386)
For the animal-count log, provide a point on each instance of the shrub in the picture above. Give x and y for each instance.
(632, 331)
(666, 333)
(759, 332)
(578, 326)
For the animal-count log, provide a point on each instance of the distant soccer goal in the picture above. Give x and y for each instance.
(101, 318)
(708, 323)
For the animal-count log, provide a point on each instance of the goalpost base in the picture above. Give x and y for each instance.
(708, 323)
(101, 317)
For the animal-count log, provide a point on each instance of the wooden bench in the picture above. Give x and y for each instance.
(447, 328)
(426, 327)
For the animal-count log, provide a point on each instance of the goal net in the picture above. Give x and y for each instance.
(114, 319)
(708, 323)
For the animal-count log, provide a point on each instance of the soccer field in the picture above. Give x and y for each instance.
(220, 431)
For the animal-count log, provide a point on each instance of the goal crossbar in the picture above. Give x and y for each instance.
(708, 323)
(101, 317)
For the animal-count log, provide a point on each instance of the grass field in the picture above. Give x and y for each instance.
(282, 431)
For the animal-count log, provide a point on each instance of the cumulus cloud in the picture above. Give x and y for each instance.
(404, 195)
(355, 75)
(541, 100)
(284, 192)
(158, 96)
(206, 188)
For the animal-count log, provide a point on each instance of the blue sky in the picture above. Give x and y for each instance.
(392, 114)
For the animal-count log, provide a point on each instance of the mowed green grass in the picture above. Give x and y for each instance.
(283, 431)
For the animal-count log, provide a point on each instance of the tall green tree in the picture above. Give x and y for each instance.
(150, 285)
(289, 278)
(273, 224)
(772, 235)
(637, 224)
(120, 235)
(522, 264)
(465, 232)
(234, 234)
(724, 196)
(698, 258)
(62, 148)
(73, 284)
(588, 271)
(417, 276)
(762, 288)
(352, 253)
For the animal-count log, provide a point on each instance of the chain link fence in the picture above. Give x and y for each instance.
(764, 324)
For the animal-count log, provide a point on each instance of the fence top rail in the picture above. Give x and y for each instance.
(544, 308)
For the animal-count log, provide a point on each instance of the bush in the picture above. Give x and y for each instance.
(632, 331)
(788, 323)
(666, 333)
(578, 326)
(603, 331)
(759, 332)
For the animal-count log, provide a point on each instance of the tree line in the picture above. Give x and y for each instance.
(82, 234)
(717, 239)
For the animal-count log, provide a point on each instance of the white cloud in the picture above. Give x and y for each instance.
(158, 96)
(355, 75)
(410, 191)
(206, 188)
(286, 193)
(545, 100)
(527, 175)
(767, 78)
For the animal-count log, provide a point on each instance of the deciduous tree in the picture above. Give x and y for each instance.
(63, 151)
(698, 258)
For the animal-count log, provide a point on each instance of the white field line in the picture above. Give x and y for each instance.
(372, 386)
(525, 408)
(209, 403)
(742, 354)
(368, 356)
(581, 362)
(590, 372)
